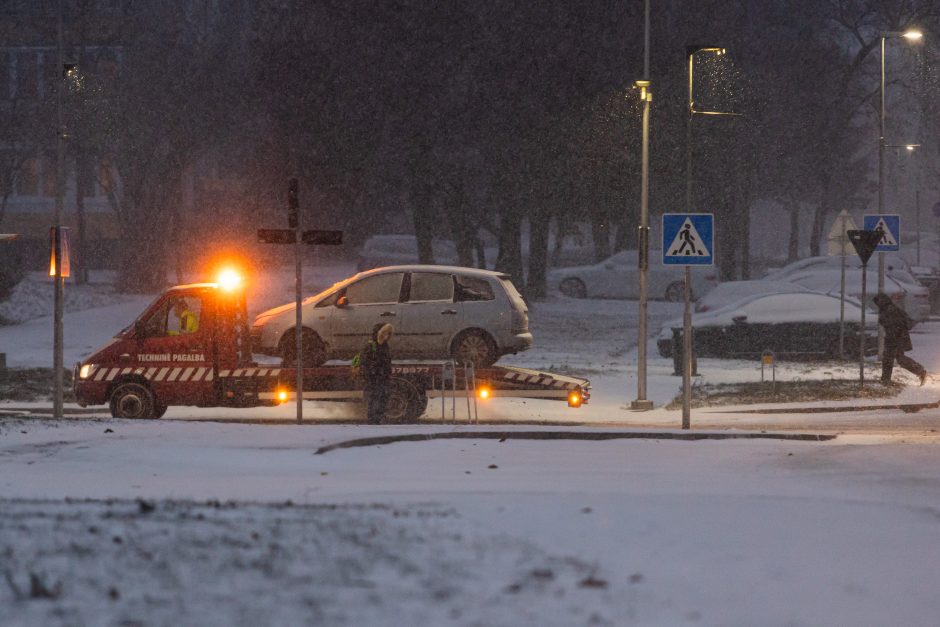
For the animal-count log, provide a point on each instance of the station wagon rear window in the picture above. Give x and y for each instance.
(470, 288)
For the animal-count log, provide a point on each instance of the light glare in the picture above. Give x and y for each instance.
(229, 279)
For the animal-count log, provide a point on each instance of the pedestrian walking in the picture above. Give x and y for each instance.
(375, 362)
(897, 325)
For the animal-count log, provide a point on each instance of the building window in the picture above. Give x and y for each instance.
(27, 75)
(27, 183)
(5, 76)
(85, 178)
(48, 178)
(105, 178)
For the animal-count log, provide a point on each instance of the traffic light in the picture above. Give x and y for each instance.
(292, 204)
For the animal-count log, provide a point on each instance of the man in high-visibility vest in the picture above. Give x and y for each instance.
(188, 320)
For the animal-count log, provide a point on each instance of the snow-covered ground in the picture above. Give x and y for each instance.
(189, 520)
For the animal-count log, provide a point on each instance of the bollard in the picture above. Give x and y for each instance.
(677, 353)
(768, 358)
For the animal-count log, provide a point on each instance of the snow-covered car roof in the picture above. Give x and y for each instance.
(892, 263)
(830, 280)
(789, 307)
(733, 291)
(479, 272)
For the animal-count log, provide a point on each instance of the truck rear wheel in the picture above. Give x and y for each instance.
(132, 400)
(404, 402)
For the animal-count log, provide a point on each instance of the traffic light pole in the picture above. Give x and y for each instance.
(293, 234)
(58, 341)
(293, 218)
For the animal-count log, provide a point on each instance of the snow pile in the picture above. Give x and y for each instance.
(34, 297)
(234, 564)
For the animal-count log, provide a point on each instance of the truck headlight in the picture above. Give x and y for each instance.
(85, 371)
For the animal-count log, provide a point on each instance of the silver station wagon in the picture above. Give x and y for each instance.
(438, 312)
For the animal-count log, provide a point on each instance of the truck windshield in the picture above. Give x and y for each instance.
(129, 329)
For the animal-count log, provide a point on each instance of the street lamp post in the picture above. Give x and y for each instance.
(911, 35)
(59, 282)
(690, 52)
(910, 148)
(641, 402)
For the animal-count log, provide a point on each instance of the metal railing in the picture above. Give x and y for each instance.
(449, 375)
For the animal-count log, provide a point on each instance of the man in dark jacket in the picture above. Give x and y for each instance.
(376, 367)
(897, 325)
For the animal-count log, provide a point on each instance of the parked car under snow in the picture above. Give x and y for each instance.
(915, 299)
(617, 277)
(789, 324)
(729, 292)
(900, 284)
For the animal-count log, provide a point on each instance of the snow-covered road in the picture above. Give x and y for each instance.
(194, 520)
(466, 532)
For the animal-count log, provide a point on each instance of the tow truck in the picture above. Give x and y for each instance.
(149, 367)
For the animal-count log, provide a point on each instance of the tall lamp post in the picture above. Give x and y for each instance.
(59, 282)
(910, 148)
(690, 53)
(910, 35)
(641, 402)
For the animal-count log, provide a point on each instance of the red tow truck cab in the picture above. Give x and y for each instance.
(191, 346)
(155, 363)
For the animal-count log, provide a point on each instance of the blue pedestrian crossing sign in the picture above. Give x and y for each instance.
(688, 239)
(890, 227)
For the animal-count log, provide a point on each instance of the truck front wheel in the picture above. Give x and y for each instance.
(132, 400)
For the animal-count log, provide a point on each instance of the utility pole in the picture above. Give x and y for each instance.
(643, 254)
(59, 281)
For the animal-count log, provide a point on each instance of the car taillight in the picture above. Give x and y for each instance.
(520, 321)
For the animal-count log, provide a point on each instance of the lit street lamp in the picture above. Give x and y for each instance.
(690, 53)
(910, 148)
(910, 35)
(643, 249)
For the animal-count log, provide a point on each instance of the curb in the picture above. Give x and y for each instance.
(47, 411)
(908, 408)
(573, 435)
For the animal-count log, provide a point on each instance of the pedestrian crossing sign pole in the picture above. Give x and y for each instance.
(889, 225)
(688, 240)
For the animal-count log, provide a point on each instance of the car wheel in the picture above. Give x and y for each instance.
(314, 350)
(573, 288)
(475, 347)
(404, 402)
(132, 400)
(675, 292)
